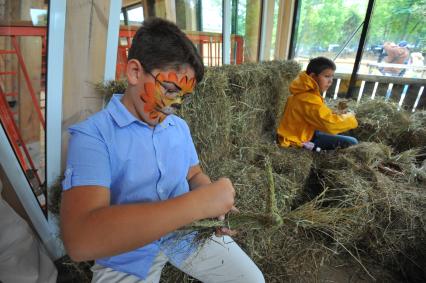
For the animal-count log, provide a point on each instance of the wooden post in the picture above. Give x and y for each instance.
(85, 37)
(265, 53)
(252, 30)
(285, 20)
(31, 47)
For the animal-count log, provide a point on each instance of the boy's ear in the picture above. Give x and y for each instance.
(134, 71)
(313, 75)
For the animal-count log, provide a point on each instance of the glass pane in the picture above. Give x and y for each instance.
(245, 30)
(329, 28)
(202, 22)
(135, 15)
(23, 31)
(401, 42)
(270, 29)
(393, 61)
(274, 30)
(210, 40)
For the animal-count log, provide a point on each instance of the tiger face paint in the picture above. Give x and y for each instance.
(166, 94)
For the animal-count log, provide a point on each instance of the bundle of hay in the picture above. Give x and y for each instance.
(108, 88)
(381, 121)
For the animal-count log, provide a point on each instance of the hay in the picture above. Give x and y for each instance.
(387, 202)
(108, 88)
(380, 121)
(55, 191)
(235, 107)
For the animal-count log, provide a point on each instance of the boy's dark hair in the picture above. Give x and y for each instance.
(319, 64)
(160, 44)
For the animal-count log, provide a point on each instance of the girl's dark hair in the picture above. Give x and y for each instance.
(160, 44)
(319, 64)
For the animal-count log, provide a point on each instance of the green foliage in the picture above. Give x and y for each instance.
(398, 20)
(325, 22)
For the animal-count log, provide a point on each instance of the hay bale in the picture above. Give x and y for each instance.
(415, 135)
(246, 99)
(210, 115)
(380, 121)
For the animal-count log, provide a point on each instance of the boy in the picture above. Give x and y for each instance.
(133, 176)
(306, 118)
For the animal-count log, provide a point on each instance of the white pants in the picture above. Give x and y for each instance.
(22, 258)
(218, 260)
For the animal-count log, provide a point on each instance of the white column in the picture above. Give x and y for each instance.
(55, 75)
(226, 31)
(112, 39)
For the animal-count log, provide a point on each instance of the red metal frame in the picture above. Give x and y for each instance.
(13, 32)
(12, 131)
(6, 114)
(28, 81)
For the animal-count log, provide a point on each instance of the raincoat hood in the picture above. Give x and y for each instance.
(303, 84)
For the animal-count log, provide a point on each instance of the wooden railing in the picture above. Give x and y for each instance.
(420, 69)
(408, 92)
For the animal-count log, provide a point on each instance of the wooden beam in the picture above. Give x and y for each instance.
(252, 36)
(31, 48)
(267, 30)
(86, 33)
(285, 20)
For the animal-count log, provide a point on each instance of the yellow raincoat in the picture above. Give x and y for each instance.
(305, 112)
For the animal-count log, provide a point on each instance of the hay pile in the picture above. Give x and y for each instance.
(385, 193)
(363, 207)
(380, 121)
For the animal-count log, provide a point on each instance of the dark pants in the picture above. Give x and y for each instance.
(327, 141)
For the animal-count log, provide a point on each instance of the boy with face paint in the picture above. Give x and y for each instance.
(133, 176)
(307, 119)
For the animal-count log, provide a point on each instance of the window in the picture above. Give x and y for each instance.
(329, 28)
(22, 86)
(245, 30)
(396, 36)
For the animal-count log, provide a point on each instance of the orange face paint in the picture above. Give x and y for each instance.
(165, 96)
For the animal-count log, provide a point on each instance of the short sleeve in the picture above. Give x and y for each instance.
(88, 161)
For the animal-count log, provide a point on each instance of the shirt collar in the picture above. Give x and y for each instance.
(123, 117)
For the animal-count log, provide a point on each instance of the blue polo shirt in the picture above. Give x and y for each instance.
(137, 163)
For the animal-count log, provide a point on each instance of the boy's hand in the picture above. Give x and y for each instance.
(222, 231)
(217, 198)
(347, 115)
